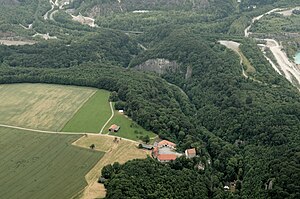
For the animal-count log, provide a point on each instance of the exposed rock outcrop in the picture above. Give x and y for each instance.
(189, 72)
(160, 66)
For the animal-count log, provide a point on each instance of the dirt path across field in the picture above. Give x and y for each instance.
(67, 133)
(112, 115)
(120, 151)
(42, 131)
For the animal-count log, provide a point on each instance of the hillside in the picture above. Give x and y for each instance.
(243, 123)
(9, 2)
(95, 8)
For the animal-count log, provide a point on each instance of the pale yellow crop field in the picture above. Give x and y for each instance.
(121, 151)
(41, 106)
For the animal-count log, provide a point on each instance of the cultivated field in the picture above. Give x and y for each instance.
(37, 165)
(92, 115)
(120, 151)
(129, 129)
(41, 106)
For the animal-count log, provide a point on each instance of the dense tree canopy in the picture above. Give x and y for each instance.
(245, 131)
(150, 179)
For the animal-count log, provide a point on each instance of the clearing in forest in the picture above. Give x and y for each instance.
(92, 115)
(235, 46)
(41, 106)
(37, 165)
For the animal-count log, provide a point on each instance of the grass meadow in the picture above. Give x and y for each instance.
(92, 115)
(129, 129)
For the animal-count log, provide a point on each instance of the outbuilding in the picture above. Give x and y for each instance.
(146, 146)
(190, 153)
(166, 157)
(114, 128)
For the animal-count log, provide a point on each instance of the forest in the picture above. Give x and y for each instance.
(245, 131)
(155, 180)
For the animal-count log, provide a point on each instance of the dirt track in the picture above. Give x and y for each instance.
(235, 47)
(288, 68)
(291, 72)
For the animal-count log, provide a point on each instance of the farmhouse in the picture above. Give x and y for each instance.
(164, 151)
(114, 128)
(166, 157)
(190, 153)
(166, 143)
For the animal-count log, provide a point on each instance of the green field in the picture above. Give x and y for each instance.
(129, 129)
(36, 165)
(92, 115)
(41, 106)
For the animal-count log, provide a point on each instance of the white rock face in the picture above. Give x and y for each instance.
(160, 66)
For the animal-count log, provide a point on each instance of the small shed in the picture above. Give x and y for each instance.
(190, 153)
(101, 180)
(146, 146)
(114, 128)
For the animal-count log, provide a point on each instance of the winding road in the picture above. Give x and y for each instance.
(284, 67)
(47, 13)
(235, 47)
(289, 69)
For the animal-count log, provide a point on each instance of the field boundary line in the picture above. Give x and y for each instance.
(112, 115)
(79, 107)
(113, 136)
(65, 133)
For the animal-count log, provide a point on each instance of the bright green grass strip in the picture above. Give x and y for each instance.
(92, 115)
(129, 129)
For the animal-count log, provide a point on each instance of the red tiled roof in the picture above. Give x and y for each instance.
(114, 126)
(166, 157)
(155, 151)
(191, 151)
(166, 142)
